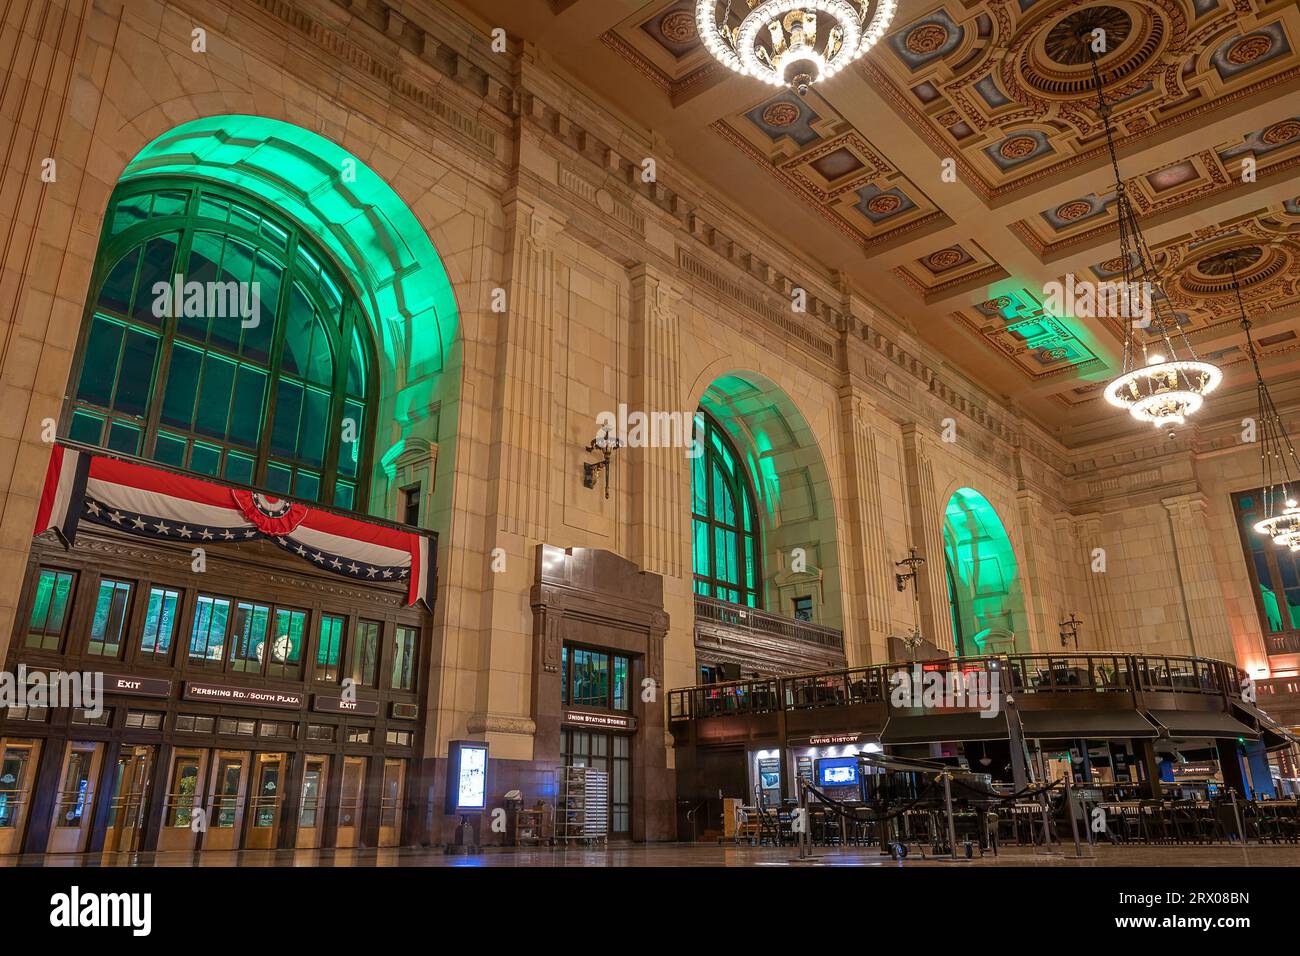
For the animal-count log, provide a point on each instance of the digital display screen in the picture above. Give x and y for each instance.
(471, 781)
(837, 772)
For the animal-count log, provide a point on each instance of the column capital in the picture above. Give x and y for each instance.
(531, 217)
(661, 288)
(1184, 504)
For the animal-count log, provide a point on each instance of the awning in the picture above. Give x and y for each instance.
(1201, 723)
(1275, 736)
(1104, 724)
(932, 728)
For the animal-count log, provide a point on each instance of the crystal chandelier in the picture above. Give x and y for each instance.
(1279, 467)
(791, 43)
(1165, 385)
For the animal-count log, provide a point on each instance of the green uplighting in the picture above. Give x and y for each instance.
(984, 582)
(351, 211)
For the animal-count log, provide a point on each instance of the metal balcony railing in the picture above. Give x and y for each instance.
(1025, 674)
(1285, 643)
(738, 617)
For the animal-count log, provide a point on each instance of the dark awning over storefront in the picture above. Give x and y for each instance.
(1201, 723)
(1097, 724)
(930, 728)
(1275, 736)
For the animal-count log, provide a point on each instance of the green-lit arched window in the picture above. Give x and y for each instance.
(272, 390)
(726, 541)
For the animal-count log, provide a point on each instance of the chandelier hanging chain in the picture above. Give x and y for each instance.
(1132, 243)
(1161, 388)
(1275, 442)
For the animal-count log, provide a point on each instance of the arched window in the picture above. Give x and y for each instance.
(725, 522)
(220, 340)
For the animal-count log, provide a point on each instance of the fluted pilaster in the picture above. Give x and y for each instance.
(927, 535)
(1207, 621)
(1103, 632)
(658, 475)
(524, 433)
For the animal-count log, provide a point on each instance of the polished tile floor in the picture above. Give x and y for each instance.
(683, 855)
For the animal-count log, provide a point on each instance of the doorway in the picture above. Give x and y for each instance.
(18, 759)
(180, 824)
(264, 807)
(75, 804)
(126, 806)
(390, 803)
(311, 808)
(611, 753)
(350, 801)
(226, 800)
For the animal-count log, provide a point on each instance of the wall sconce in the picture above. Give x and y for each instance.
(912, 563)
(1070, 631)
(606, 444)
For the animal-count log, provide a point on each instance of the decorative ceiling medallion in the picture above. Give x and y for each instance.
(1074, 210)
(780, 114)
(927, 38)
(792, 43)
(1249, 49)
(1212, 275)
(1053, 59)
(1225, 263)
(945, 259)
(1062, 42)
(883, 205)
(679, 26)
(1018, 147)
(1280, 133)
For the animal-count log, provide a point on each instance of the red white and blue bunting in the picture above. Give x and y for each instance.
(152, 503)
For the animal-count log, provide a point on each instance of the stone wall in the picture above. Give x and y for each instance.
(618, 290)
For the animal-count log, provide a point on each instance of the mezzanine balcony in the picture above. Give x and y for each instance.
(761, 642)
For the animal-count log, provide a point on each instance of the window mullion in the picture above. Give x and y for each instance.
(167, 335)
(273, 365)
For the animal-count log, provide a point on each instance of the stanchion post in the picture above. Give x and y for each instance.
(804, 851)
(947, 804)
(1069, 809)
(1236, 813)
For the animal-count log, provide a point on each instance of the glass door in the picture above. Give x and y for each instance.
(390, 803)
(126, 806)
(311, 809)
(264, 808)
(611, 753)
(350, 801)
(75, 803)
(18, 759)
(183, 817)
(226, 800)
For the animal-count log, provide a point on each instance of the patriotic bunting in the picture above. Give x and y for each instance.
(153, 503)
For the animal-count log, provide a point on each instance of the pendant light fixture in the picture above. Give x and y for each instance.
(1279, 466)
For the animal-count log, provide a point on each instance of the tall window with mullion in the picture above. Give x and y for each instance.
(256, 367)
(159, 623)
(49, 614)
(109, 619)
(208, 634)
(329, 649)
(725, 531)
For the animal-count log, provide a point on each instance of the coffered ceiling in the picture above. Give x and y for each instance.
(1207, 111)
